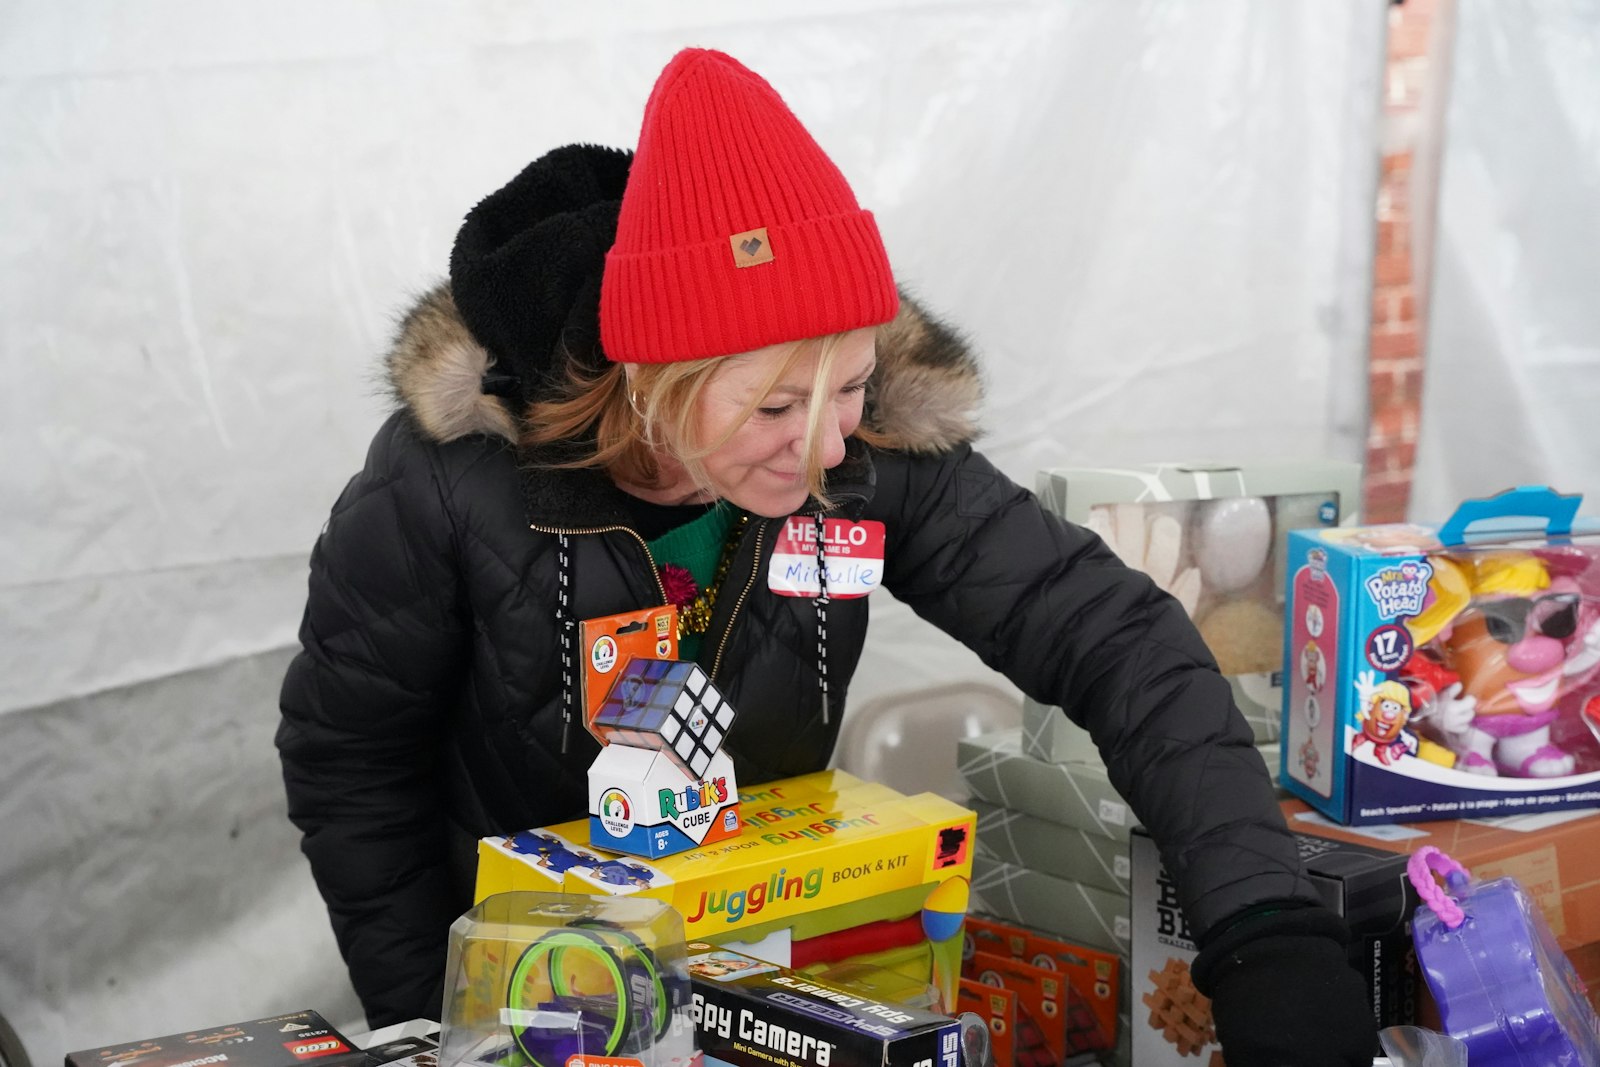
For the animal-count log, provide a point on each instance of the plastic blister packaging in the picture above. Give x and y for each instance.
(533, 979)
(1503, 987)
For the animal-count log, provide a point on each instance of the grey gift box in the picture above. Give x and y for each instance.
(1051, 847)
(1071, 910)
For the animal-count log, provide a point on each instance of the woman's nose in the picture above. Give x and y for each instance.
(832, 443)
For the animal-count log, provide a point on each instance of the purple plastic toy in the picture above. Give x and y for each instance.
(1503, 987)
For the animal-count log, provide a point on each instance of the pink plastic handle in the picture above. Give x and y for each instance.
(1420, 869)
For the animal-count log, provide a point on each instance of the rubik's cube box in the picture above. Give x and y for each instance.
(278, 1041)
(1446, 672)
(818, 878)
(1214, 536)
(662, 783)
(752, 1013)
(1171, 1020)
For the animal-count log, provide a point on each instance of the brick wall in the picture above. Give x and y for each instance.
(1396, 348)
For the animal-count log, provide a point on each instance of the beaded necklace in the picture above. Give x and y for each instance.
(695, 605)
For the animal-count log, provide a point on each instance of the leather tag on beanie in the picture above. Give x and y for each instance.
(751, 248)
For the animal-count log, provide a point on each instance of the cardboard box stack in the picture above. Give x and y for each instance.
(1052, 849)
(1053, 835)
(1364, 882)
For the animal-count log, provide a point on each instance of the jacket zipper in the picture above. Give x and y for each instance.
(655, 572)
(755, 569)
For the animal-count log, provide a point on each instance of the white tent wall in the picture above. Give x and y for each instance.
(1153, 220)
(1512, 375)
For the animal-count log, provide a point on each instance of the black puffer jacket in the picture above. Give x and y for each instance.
(425, 709)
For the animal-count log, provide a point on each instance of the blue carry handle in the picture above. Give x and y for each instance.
(1525, 501)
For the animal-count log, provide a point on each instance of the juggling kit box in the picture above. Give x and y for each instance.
(1214, 536)
(1367, 885)
(1440, 673)
(751, 1013)
(829, 869)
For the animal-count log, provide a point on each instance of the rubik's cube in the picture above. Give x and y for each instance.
(668, 705)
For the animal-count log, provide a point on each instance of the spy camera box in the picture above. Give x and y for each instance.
(750, 1013)
(1171, 1020)
(1213, 535)
(642, 803)
(1440, 673)
(277, 1041)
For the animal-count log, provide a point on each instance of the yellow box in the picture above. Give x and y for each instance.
(869, 856)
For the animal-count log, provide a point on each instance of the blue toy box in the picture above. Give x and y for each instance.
(1429, 674)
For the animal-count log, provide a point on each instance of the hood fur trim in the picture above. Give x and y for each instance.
(924, 396)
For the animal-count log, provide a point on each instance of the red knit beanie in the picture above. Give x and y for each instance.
(736, 231)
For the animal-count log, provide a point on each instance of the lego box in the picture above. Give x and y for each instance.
(1213, 536)
(279, 1041)
(1440, 673)
(750, 1013)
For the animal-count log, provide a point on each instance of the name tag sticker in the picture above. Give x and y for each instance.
(853, 550)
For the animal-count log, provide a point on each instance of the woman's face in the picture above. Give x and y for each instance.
(761, 467)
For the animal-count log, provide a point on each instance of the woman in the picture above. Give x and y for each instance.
(640, 368)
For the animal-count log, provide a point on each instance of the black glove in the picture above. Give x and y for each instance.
(1283, 993)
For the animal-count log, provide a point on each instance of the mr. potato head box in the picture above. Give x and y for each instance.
(1446, 672)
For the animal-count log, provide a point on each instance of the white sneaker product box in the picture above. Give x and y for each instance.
(1214, 536)
(642, 803)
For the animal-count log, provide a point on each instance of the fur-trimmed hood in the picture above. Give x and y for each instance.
(923, 396)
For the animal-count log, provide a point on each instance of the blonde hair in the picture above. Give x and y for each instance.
(636, 421)
(1510, 573)
(1389, 691)
(1457, 580)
